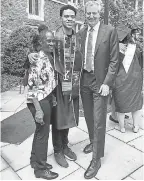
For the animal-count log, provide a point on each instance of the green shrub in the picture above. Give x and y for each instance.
(5, 33)
(8, 82)
(16, 49)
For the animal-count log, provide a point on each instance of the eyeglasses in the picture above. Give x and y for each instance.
(69, 16)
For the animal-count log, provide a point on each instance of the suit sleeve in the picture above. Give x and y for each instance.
(114, 59)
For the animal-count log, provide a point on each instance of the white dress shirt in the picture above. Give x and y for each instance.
(94, 35)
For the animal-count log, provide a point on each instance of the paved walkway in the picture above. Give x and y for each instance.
(123, 151)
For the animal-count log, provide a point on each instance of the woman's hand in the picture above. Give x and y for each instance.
(39, 117)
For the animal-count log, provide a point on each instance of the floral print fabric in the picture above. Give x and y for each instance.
(42, 80)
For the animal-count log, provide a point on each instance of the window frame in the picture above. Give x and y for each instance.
(41, 11)
(72, 2)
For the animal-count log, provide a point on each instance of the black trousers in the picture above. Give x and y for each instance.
(59, 138)
(41, 135)
(95, 109)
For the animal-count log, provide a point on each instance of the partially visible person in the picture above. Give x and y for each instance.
(113, 116)
(127, 91)
(122, 32)
(41, 84)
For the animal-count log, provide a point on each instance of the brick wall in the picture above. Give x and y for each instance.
(14, 14)
(52, 17)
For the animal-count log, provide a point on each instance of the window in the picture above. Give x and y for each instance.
(36, 9)
(75, 2)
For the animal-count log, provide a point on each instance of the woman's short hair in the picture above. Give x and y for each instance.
(42, 30)
(42, 27)
(65, 7)
(93, 3)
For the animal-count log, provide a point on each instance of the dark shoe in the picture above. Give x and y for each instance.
(45, 174)
(92, 169)
(88, 148)
(69, 154)
(60, 159)
(135, 129)
(34, 165)
(126, 117)
(112, 119)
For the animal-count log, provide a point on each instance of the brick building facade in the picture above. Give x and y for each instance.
(16, 13)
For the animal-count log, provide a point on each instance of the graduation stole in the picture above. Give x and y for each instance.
(65, 50)
(69, 58)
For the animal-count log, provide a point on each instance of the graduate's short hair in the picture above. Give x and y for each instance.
(65, 7)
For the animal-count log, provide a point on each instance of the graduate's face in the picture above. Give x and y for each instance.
(92, 15)
(68, 18)
(48, 42)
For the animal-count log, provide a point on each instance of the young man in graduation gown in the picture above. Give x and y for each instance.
(66, 113)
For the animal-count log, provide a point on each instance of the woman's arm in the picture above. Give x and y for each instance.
(39, 113)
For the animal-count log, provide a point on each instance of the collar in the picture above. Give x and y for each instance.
(73, 32)
(95, 27)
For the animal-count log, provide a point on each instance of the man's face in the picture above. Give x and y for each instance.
(68, 18)
(48, 42)
(92, 15)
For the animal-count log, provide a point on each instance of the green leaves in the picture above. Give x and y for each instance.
(16, 48)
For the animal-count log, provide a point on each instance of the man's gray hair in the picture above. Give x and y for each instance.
(93, 3)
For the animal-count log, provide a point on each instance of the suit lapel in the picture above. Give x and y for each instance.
(100, 36)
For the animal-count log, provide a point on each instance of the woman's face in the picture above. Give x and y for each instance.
(48, 42)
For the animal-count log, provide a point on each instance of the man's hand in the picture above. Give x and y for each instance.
(122, 47)
(39, 117)
(33, 57)
(104, 90)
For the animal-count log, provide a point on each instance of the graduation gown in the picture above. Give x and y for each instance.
(128, 86)
(66, 113)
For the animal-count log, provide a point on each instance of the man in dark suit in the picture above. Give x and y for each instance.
(100, 54)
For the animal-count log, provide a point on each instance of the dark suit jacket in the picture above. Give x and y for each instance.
(106, 53)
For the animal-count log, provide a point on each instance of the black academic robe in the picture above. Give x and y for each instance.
(66, 113)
